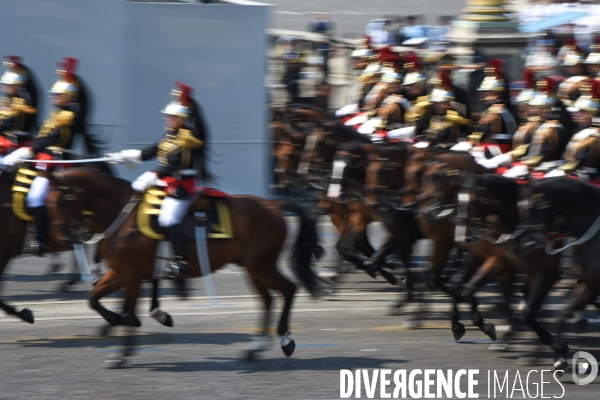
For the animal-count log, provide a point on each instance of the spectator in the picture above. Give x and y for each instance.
(413, 29)
(321, 23)
(437, 34)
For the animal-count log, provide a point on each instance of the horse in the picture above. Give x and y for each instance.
(433, 178)
(259, 233)
(558, 207)
(14, 232)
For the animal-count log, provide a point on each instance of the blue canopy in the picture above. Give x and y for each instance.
(553, 22)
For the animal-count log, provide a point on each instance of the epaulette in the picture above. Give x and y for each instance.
(187, 140)
(64, 118)
(455, 118)
(20, 105)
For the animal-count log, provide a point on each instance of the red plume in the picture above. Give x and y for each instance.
(570, 42)
(186, 92)
(529, 78)
(446, 83)
(70, 66)
(384, 54)
(15, 60)
(497, 64)
(552, 83)
(596, 89)
(597, 40)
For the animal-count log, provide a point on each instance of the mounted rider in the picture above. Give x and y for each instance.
(180, 162)
(436, 119)
(18, 108)
(582, 154)
(67, 119)
(496, 124)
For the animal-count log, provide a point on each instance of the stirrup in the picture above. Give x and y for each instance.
(179, 269)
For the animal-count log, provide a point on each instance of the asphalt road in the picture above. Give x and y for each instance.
(61, 355)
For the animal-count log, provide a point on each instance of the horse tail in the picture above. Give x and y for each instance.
(306, 245)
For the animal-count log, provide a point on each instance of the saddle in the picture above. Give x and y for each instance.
(211, 202)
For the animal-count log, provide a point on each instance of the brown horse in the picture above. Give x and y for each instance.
(436, 175)
(259, 232)
(12, 239)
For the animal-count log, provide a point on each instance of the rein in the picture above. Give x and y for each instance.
(87, 160)
(591, 232)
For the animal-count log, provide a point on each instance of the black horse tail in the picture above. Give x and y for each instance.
(198, 124)
(306, 245)
(94, 146)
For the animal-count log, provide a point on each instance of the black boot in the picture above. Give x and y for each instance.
(179, 266)
(40, 215)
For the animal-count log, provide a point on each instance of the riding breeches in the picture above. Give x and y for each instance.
(38, 192)
(173, 211)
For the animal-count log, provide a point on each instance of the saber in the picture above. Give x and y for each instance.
(86, 160)
(202, 250)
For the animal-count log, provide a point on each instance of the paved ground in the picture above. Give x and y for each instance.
(61, 356)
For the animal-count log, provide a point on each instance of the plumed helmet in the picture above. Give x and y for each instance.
(66, 83)
(413, 67)
(443, 91)
(12, 76)
(494, 81)
(546, 94)
(575, 56)
(179, 107)
(590, 101)
(529, 92)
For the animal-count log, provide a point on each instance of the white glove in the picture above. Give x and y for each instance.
(134, 156)
(555, 172)
(23, 153)
(347, 110)
(518, 171)
(493, 163)
(406, 132)
(116, 158)
(144, 181)
(462, 146)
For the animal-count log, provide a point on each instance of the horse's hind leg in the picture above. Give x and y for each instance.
(261, 342)
(270, 278)
(159, 315)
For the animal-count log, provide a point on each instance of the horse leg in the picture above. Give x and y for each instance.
(538, 292)
(578, 298)
(159, 315)
(108, 284)
(276, 281)
(261, 342)
(130, 320)
(25, 314)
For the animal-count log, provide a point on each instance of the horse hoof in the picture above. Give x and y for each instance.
(169, 321)
(458, 331)
(289, 347)
(498, 346)
(26, 315)
(560, 366)
(130, 319)
(115, 362)
(490, 331)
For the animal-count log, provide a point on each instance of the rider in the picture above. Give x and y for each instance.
(582, 153)
(56, 135)
(18, 110)
(496, 123)
(180, 161)
(446, 124)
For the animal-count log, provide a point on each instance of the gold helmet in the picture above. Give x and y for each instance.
(575, 55)
(494, 81)
(594, 56)
(66, 83)
(590, 100)
(179, 107)
(413, 68)
(529, 91)
(546, 93)
(13, 75)
(443, 92)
